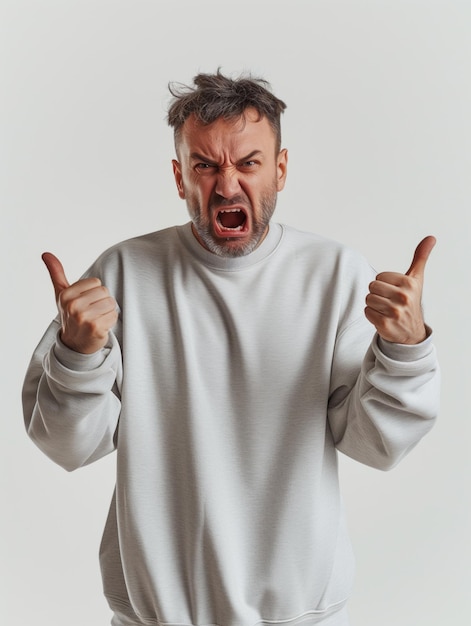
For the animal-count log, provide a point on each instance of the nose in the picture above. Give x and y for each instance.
(227, 184)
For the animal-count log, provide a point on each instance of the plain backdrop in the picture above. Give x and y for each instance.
(379, 135)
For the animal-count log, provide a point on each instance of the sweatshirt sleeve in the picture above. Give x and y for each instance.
(71, 401)
(379, 415)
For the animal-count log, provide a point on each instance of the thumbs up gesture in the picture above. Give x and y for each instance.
(393, 304)
(86, 309)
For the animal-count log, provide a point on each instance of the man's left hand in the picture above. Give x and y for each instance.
(394, 303)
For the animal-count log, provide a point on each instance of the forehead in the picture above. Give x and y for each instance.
(237, 135)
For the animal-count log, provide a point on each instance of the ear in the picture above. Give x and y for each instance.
(177, 172)
(282, 168)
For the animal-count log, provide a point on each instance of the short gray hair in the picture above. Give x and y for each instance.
(215, 96)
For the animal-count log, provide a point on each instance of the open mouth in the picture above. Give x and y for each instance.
(231, 222)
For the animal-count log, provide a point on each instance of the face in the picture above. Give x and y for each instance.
(229, 172)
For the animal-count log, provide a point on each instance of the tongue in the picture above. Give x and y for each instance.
(232, 219)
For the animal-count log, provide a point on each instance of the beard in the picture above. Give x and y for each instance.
(233, 247)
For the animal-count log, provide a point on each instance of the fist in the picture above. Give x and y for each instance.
(394, 303)
(87, 311)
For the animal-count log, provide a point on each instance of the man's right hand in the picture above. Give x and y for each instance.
(86, 309)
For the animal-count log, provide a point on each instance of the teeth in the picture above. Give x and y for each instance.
(240, 227)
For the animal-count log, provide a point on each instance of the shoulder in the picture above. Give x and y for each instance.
(314, 250)
(332, 274)
(135, 260)
(137, 250)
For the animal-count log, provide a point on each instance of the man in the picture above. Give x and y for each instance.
(227, 360)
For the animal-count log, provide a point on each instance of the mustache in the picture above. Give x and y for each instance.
(219, 202)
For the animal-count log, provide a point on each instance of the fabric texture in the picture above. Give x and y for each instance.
(226, 389)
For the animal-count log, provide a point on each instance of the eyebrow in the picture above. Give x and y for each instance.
(196, 156)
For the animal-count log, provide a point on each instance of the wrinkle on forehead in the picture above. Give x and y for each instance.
(234, 137)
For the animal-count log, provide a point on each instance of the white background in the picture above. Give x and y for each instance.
(378, 131)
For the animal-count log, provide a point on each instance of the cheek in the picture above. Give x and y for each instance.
(203, 190)
(197, 196)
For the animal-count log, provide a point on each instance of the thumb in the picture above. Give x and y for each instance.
(421, 255)
(56, 272)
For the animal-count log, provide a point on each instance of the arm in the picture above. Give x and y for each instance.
(393, 402)
(71, 397)
(380, 414)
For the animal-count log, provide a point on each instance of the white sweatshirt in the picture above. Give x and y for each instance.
(226, 388)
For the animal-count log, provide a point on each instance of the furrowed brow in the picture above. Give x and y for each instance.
(250, 156)
(196, 156)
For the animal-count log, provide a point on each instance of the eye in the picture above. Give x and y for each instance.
(248, 165)
(204, 168)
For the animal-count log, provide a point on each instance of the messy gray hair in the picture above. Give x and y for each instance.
(215, 96)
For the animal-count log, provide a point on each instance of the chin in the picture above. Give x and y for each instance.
(230, 248)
